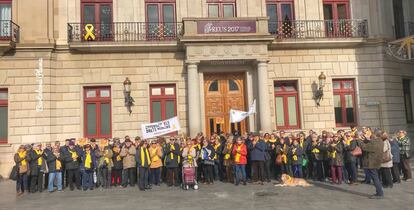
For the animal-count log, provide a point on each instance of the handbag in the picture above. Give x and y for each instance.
(14, 173)
(356, 152)
(278, 160)
(386, 156)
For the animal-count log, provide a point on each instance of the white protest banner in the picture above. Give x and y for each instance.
(237, 116)
(160, 128)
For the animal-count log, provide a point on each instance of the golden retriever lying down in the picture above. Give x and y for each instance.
(288, 181)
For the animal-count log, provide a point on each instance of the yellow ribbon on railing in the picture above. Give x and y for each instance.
(89, 32)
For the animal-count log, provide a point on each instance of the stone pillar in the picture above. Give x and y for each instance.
(264, 108)
(194, 117)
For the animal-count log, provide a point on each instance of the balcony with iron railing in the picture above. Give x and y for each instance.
(127, 34)
(319, 31)
(9, 35)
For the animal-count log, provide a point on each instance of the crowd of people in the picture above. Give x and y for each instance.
(240, 159)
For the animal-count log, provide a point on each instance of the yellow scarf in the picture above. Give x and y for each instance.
(40, 160)
(190, 157)
(301, 143)
(316, 151)
(284, 156)
(333, 154)
(348, 141)
(238, 155)
(106, 159)
(88, 160)
(23, 155)
(58, 164)
(145, 150)
(215, 149)
(227, 156)
(154, 154)
(171, 154)
(74, 155)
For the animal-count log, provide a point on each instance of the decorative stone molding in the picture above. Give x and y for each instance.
(227, 52)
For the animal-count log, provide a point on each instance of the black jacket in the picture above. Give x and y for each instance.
(69, 162)
(34, 167)
(51, 162)
(174, 161)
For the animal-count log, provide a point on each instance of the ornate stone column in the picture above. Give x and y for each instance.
(264, 108)
(194, 117)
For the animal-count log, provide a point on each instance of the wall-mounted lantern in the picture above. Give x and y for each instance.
(129, 101)
(319, 92)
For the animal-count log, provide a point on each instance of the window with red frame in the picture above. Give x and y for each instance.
(287, 105)
(163, 102)
(3, 116)
(5, 17)
(336, 9)
(336, 14)
(97, 112)
(221, 8)
(281, 15)
(161, 18)
(99, 14)
(344, 102)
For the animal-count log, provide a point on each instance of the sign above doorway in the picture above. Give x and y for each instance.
(226, 26)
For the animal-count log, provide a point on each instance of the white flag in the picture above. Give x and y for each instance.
(237, 116)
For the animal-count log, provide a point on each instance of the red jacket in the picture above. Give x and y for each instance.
(243, 154)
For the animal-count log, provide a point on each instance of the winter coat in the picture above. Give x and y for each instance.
(336, 154)
(156, 156)
(387, 149)
(243, 154)
(228, 156)
(19, 160)
(117, 159)
(207, 154)
(395, 151)
(144, 162)
(258, 151)
(404, 144)
(172, 157)
(83, 160)
(128, 155)
(33, 166)
(373, 151)
(71, 164)
(51, 162)
(296, 155)
(189, 156)
(348, 157)
(107, 153)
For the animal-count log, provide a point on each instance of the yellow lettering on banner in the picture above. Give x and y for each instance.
(89, 32)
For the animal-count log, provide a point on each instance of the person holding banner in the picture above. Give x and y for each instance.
(128, 152)
(143, 161)
(172, 161)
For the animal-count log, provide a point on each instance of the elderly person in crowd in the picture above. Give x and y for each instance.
(207, 156)
(373, 146)
(395, 151)
(228, 160)
(143, 161)
(350, 160)
(87, 167)
(105, 164)
(127, 154)
(54, 162)
(172, 160)
(21, 159)
(240, 160)
(155, 152)
(72, 160)
(258, 151)
(117, 163)
(386, 164)
(37, 168)
(404, 143)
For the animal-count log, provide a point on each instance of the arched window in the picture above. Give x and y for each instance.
(233, 85)
(213, 86)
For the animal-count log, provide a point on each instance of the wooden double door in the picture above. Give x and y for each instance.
(223, 92)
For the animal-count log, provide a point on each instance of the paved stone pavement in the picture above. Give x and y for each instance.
(219, 196)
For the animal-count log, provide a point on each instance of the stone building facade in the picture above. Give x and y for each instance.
(63, 64)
